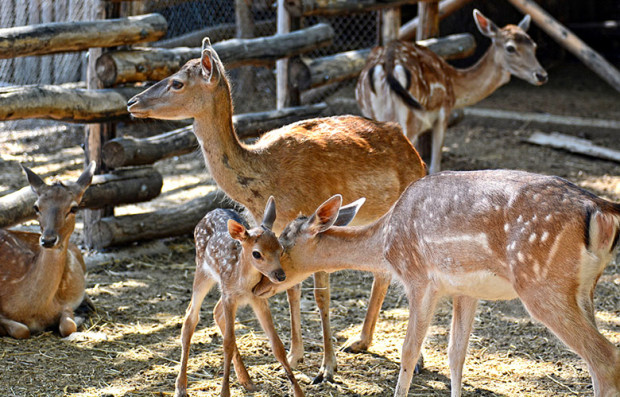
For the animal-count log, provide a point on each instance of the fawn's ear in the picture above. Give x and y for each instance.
(525, 22)
(206, 60)
(237, 230)
(348, 212)
(36, 183)
(270, 213)
(325, 216)
(485, 25)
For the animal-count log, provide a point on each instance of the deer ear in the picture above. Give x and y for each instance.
(325, 216)
(525, 22)
(485, 25)
(207, 60)
(270, 213)
(36, 183)
(237, 230)
(348, 212)
(87, 175)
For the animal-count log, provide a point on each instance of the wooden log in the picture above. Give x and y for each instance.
(59, 102)
(346, 65)
(168, 222)
(51, 38)
(446, 7)
(128, 151)
(570, 41)
(132, 185)
(158, 63)
(304, 8)
(574, 145)
(215, 33)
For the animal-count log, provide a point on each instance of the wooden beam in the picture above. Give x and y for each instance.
(153, 64)
(574, 145)
(446, 7)
(215, 33)
(126, 151)
(304, 8)
(51, 38)
(570, 41)
(132, 185)
(64, 103)
(168, 222)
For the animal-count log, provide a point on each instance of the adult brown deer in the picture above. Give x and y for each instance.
(477, 235)
(413, 86)
(301, 165)
(42, 276)
(235, 258)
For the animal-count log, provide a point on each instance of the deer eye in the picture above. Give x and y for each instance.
(511, 49)
(176, 84)
(73, 209)
(256, 255)
(36, 208)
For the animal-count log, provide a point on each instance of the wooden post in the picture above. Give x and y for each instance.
(283, 26)
(446, 7)
(97, 134)
(389, 25)
(245, 30)
(428, 14)
(570, 41)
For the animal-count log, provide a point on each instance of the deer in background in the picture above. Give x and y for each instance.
(301, 165)
(229, 254)
(42, 275)
(477, 235)
(410, 84)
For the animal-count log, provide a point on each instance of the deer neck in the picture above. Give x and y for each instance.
(46, 274)
(234, 167)
(477, 82)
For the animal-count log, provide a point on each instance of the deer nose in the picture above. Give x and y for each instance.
(541, 77)
(132, 101)
(279, 275)
(48, 241)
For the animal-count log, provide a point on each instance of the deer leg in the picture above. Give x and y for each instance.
(67, 324)
(567, 320)
(14, 329)
(439, 132)
(322, 297)
(261, 309)
(463, 311)
(202, 285)
(296, 354)
(230, 345)
(242, 373)
(422, 301)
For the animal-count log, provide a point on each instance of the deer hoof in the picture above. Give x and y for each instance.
(419, 366)
(354, 346)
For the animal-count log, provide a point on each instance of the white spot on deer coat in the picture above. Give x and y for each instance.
(544, 236)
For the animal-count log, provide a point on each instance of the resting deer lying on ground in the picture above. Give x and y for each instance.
(301, 165)
(477, 235)
(415, 87)
(42, 276)
(237, 267)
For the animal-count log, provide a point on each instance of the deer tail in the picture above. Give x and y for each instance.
(402, 92)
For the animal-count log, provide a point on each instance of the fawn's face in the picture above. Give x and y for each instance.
(57, 205)
(516, 51)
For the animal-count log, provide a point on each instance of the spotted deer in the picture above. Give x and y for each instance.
(413, 86)
(235, 258)
(42, 275)
(300, 164)
(491, 235)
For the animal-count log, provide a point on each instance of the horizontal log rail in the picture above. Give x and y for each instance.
(304, 8)
(55, 37)
(133, 185)
(64, 103)
(446, 7)
(167, 222)
(126, 151)
(153, 64)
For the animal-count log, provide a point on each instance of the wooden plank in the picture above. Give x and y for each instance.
(570, 41)
(55, 37)
(574, 145)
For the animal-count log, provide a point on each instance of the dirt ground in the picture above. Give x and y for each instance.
(130, 345)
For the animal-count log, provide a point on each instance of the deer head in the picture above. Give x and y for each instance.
(57, 205)
(260, 245)
(514, 49)
(194, 90)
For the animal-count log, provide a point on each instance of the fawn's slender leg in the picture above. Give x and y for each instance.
(463, 311)
(261, 309)
(230, 345)
(296, 354)
(322, 297)
(242, 373)
(439, 133)
(202, 285)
